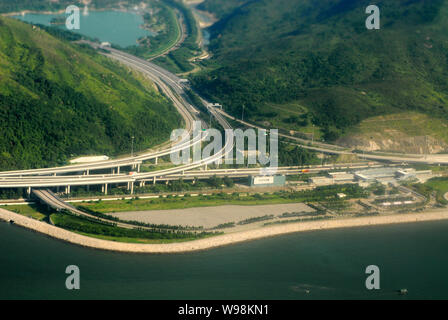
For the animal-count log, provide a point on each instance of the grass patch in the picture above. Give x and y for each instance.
(440, 185)
(319, 194)
(107, 231)
(30, 211)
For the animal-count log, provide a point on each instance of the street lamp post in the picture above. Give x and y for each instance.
(312, 140)
(132, 147)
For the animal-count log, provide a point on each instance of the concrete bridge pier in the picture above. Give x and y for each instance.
(28, 192)
(138, 168)
(67, 189)
(104, 188)
(118, 170)
(156, 161)
(131, 187)
(155, 180)
(142, 184)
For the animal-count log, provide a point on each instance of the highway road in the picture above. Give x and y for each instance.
(84, 180)
(338, 150)
(52, 200)
(170, 85)
(172, 88)
(158, 76)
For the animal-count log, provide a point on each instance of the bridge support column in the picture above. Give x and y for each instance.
(105, 189)
(87, 172)
(28, 192)
(142, 184)
(118, 170)
(67, 189)
(138, 168)
(131, 187)
(155, 180)
(157, 161)
(206, 167)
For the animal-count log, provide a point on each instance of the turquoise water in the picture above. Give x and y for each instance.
(121, 28)
(329, 263)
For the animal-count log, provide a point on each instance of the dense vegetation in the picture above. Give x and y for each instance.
(320, 55)
(14, 6)
(289, 155)
(164, 23)
(179, 60)
(222, 8)
(58, 101)
(84, 225)
(438, 185)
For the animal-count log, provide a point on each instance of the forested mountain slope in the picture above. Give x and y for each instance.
(59, 100)
(317, 62)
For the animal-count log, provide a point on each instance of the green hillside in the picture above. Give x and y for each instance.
(295, 63)
(59, 100)
(221, 8)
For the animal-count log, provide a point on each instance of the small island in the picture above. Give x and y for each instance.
(58, 21)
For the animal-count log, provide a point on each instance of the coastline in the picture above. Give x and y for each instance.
(218, 241)
(60, 12)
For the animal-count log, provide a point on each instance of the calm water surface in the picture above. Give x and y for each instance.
(117, 27)
(330, 264)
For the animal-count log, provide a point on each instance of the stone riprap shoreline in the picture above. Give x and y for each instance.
(221, 240)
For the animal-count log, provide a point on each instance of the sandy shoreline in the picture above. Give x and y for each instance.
(217, 241)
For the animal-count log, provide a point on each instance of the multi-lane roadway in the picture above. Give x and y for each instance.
(338, 150)
(171, 87)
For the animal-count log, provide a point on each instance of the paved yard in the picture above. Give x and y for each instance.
(209, 217)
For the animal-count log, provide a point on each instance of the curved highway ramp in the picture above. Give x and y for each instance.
(46, 196)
